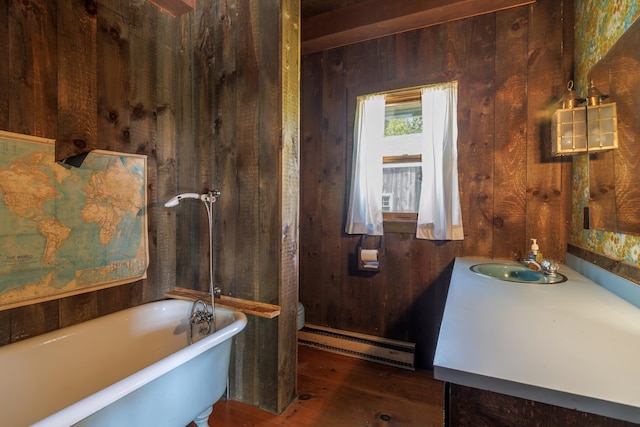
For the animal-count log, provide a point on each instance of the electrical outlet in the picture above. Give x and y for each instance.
(585, 217)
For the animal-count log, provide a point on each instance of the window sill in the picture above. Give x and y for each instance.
(400, 222)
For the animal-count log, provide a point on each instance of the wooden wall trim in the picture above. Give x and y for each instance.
(377, 18)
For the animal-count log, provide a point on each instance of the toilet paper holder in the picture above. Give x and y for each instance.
(368, 258)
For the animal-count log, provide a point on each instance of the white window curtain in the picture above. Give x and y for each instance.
(439, 216)
(365, 204)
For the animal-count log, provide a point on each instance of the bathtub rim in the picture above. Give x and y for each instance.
(91, 404)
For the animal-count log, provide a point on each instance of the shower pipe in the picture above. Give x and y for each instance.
(208, 199)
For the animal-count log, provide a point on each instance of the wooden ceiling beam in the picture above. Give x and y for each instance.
(377, 18)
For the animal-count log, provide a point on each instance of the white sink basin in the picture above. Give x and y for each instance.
(515, 273)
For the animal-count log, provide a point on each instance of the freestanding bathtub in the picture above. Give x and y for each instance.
(130, 368)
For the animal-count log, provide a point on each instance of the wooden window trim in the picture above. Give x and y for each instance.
(403, 97)
(399, 222)
(405, 158)
(400, 216)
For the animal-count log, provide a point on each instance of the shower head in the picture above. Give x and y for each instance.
(175, 200)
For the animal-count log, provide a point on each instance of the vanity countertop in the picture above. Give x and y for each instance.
(573, 344)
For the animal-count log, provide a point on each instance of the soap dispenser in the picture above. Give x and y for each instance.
(534, 253)
(534, 249)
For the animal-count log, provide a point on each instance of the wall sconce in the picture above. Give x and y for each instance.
(602, 121)
(577, 128)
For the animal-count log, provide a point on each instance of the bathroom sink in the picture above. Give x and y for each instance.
(515, 273)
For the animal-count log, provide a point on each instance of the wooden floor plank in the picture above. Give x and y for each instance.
(341, 391)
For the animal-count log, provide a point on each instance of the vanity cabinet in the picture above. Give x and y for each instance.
(522, 354)
(468, 406)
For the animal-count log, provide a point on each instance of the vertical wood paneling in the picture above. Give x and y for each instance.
(395, 296)
(348, 289)
(4, 71)
(56, 46)
(77, 78)
(499, 122)
(78, 308)
(163, 230)
(246, 225)
(5, 327)
(189, 216)
(225, 169)
(268, 44)
(511, 133)
(289, 202)
(421, 272)
(476, 140)
(331, 193)
(548, 183)
(143, 102)
(240, 77)
(247, 125)
(30, 90)
(269, 143)
(34, 320)
(205, 107)
(143, 79)
(113, 62)
(310, 151)
(33, 61)
(119, 298)
(226, 148)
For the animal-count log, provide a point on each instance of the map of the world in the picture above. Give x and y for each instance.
(68, 230)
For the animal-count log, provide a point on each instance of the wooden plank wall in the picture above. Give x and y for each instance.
(113, 54)
(245, 142)
(289, 204)
(202, 96)
(511, 66)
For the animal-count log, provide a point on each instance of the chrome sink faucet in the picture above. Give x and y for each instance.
(547, 267)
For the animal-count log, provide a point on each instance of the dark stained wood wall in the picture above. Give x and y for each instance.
(511, 66)
(244, 141)
(203, 96)
(91, 71)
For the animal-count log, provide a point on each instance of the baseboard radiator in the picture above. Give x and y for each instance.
(382, 350)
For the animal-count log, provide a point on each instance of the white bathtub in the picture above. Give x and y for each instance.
(130, 368)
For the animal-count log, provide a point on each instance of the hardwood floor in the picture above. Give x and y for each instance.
(341, 391)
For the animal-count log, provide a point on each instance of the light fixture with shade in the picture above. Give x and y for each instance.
(602, 121)
(578, 128)
(569, 125)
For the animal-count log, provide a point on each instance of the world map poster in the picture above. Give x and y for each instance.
(65, 231)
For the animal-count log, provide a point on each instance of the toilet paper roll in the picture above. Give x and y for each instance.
(369, 255)
(369, 259)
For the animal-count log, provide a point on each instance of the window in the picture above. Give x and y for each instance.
(401, 184)
(401, 158)
(405, 162)
(400, 152)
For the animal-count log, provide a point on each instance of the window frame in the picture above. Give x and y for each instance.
(408, 95)
(401, 217)
(409, 90)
